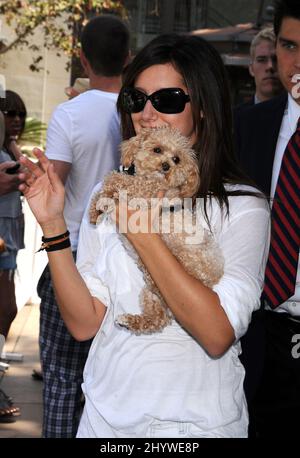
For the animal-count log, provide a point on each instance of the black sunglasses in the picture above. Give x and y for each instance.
(14, 113)
(170, 100)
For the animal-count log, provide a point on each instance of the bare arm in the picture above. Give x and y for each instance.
(81, 312)
(62, 169)
(58, 133)
(13, 147)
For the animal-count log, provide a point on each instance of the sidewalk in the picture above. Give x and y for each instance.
(17, 382)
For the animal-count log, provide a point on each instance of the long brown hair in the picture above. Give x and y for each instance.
(205, 78)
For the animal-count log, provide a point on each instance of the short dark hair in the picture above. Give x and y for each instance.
(204, 74)
(105, 44)
(283, 9)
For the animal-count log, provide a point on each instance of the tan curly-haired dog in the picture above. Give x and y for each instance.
(163, 161)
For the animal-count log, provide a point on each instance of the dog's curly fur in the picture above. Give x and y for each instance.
(163, 160)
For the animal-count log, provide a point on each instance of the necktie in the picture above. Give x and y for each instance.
(281, 270)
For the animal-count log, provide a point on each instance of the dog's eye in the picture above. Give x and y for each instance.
(175, 159)
(157, 150)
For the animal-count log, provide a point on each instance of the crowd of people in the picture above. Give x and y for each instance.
(225, 365)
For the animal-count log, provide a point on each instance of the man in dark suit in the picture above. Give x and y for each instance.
(263, 68)
(267, 135)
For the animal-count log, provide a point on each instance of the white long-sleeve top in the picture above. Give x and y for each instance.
(130, 381)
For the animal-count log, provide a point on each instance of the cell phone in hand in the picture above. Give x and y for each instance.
(13, 169)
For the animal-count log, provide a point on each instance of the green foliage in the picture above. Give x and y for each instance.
(58, 20)
(34, 135)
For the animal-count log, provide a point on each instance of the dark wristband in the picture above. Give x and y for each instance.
(57, 237)
(59, 246)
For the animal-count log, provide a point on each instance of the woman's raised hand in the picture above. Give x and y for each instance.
(42, 188)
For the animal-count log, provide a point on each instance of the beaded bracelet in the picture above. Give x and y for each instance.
(59, 242)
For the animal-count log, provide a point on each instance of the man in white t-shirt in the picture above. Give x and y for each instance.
(83, 143)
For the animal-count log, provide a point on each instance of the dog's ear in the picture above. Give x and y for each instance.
(191, 186)
(128, 150)
(93, 212)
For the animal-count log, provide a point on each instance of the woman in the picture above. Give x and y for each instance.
(11, 216)
(186, 381)
(13, 115)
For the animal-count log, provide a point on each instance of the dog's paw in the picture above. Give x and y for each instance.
(142, 324)
(121, 320)
(128, 321)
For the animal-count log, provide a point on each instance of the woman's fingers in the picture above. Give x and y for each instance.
(29, 173)
(38, 168)
(31, 166)
(33, 172)
(54, 179)
(43, 160)
(22, 187)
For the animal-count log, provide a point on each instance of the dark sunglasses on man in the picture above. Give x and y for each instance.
(15, 113)
(170, 100)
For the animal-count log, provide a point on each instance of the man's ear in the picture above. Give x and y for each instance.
(251, 70)
(84, 62)
(128, 150)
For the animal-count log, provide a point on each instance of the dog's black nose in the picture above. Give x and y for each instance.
(165, 166)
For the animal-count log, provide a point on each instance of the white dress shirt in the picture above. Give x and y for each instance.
(288, 127)
(134, 382)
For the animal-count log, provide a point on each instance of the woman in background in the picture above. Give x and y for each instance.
(13, 115)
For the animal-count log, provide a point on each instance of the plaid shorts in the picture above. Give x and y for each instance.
(63, 360)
